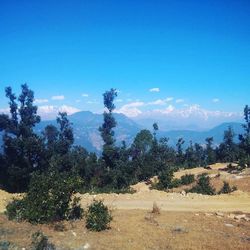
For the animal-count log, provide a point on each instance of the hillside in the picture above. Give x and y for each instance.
(86, 124)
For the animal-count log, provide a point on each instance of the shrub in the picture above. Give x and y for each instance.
(40, 242)
(187, 179)
(98, 216)
(76, 212)
(165, 179)
(203, 186)
(48, 199)
(15, 210)
(226, 189)
(6, 245)
(175, 183)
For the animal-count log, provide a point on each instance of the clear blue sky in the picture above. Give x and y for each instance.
(198, 51)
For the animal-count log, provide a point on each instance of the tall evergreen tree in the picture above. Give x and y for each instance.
(23, 149)
(245, 140)
(228, 150)
(210, 152)
(179, 154)
(107, 127)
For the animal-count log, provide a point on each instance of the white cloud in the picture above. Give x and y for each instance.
(215, 100)
(39, 101)
(179, 101)
(157, 102)
(154, 90)
(50, 111)
(93, 102)
(70, 110)
(193, 112)
(168, 110)
(4, 111)
(161, 101)
(169, 99)
(58, 97)
(85, 95)
(131, 109)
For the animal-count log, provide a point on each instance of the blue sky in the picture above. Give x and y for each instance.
(195, 52)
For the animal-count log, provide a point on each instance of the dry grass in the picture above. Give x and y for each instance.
(130, 230)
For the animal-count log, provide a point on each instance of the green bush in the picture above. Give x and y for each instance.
(226, 189)
(165, 179)
(76, 212)
(6, 245)
(48, 199)
(40, 242)
(187, 179)
(15, 210)
(175, 183)
(98, 216)
(203, 186)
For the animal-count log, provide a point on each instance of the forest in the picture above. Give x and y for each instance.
(26, 154)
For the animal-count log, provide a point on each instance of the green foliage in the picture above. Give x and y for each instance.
(203, 186)
(49, 199)
(40, 242)
(187, 179)
(98, 216)
(66, 138)
(226, 189)
(165, 179)
(179, 152)
(6, 245)
(76, 212)
(245, 140)
(210, 153)
(23, 149)
(106, 129)
(15, 210)
(175, 183)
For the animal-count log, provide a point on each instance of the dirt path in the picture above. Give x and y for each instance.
(144, 197)
(237, 201)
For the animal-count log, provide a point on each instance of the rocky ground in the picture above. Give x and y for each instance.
(186, 221)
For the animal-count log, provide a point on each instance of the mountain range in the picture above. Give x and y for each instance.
(85, 125)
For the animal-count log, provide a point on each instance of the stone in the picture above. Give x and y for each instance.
(246, 219)
(86, 246)
(183, 192)
(179, 229)
(74, 234)
(219, 214)
(240, 216)
(231, 216)
(208, 214)
(229, 225)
